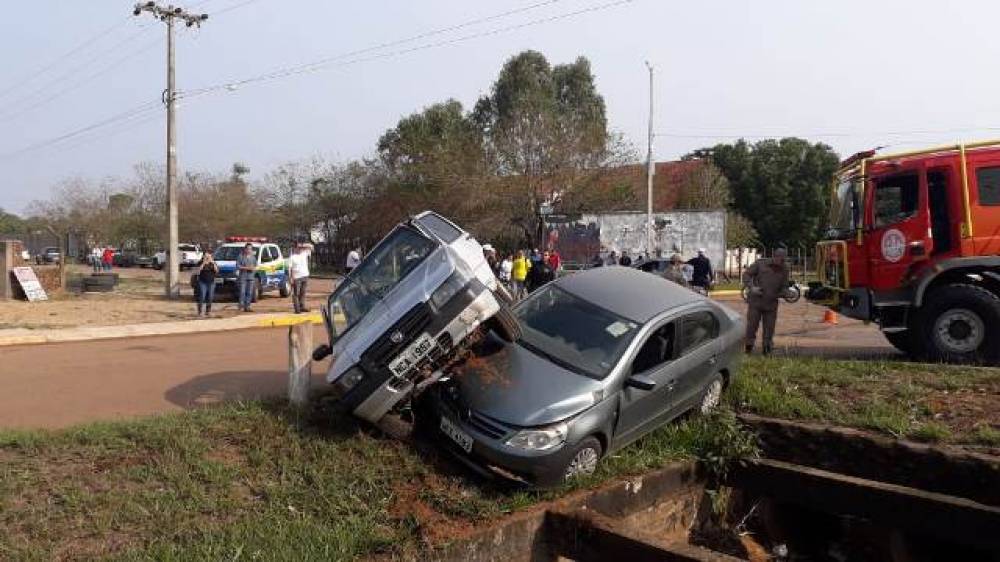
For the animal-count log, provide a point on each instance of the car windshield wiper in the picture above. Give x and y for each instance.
(552, 358)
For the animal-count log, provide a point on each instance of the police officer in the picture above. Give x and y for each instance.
(768, 281)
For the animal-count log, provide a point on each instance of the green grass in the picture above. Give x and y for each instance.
(926, 402)
(255, 481)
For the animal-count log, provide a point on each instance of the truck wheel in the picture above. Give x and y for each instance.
(505, 324)
(959, 325)
(503, 295)
(285, 289)
(903, 341)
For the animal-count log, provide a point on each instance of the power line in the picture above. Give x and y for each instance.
(59, 93)
(124, 115)
(327, 62)
(77, 69)
(55, 62)
(230, 8)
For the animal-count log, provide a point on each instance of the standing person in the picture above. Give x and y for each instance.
(207, 270)
(702, 277)
(96, 258)
(675, 271)
(491, 259)
(555, 262)
(768, 281)
(626, 261)
(298, 271)
(246, 266)
(506, 266)
(519, 274)
(353, 259)
(107, 258)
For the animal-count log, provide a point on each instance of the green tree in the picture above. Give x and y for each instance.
(780, 186)
(10, 223)
(545, 134)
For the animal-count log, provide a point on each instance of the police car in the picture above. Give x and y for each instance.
(271, 274)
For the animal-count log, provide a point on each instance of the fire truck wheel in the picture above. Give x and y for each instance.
(902, 341)
(959, 324)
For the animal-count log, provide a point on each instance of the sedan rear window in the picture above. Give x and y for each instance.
(573, 333)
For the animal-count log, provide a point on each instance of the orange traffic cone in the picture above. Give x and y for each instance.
(830, 317)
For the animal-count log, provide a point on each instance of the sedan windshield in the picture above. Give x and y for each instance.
(573, 333)
(381, 270)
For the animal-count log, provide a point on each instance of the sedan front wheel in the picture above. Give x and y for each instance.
(584, 459)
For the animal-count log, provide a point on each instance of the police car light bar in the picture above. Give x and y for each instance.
(246, 239)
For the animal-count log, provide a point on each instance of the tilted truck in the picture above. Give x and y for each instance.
(914, 246)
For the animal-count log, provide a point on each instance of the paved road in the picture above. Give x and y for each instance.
(57, 385)
(61, 384)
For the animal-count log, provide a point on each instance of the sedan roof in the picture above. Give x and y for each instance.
(634, 294)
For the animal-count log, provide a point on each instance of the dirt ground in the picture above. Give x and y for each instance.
(137, 299)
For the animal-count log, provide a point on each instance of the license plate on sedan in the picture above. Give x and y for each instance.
(412, 355)
(457, 435)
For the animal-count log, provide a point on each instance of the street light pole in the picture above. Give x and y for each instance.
(167, 15)
(650, 171)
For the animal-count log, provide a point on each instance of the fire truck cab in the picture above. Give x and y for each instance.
(914, 245)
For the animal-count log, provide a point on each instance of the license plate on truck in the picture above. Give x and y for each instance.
(457, 435)
(412, 355)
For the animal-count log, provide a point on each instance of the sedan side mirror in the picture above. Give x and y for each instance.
(642, 382)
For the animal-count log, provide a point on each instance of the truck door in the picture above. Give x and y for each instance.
(900, 227)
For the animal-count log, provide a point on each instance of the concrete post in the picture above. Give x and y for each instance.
(6, 265)
(299, 363)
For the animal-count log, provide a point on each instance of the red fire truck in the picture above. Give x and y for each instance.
(914, 246)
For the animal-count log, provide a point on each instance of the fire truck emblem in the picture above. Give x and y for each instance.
(893, 245)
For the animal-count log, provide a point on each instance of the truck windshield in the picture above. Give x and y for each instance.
(845, 210)
(381, 270)
(230, 253)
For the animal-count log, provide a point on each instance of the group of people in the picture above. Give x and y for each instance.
(101, 259)
(246, 278)
(524, 272)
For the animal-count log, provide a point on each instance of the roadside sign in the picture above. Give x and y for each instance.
(29, 284)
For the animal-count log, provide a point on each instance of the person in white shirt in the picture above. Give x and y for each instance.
(298, 272)
(353, 259)
(506, 266)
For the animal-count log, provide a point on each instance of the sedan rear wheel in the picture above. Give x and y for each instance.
(584, 460)
(712, 396)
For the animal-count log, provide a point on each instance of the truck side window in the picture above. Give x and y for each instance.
(989, 185)
(896, 199)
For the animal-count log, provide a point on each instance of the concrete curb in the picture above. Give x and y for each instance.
(23, 336)
(725, 293)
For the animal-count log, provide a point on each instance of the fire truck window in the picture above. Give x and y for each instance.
(989, 185)
(896, 199)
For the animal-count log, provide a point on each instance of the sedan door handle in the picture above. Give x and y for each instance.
(671, 384)
(712, 360)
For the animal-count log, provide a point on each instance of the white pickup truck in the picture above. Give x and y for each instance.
(190, 255)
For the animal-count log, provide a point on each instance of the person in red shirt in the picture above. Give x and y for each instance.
(554, 261)
(107, 258)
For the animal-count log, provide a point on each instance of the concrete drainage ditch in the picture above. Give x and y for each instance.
(818, 493)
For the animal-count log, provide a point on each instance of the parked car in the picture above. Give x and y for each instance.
(49, 255)
(190, 255)
(606, 356)
(405, 309)
(271, 274)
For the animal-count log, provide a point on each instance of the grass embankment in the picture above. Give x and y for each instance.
(925, 402)
(255, 482)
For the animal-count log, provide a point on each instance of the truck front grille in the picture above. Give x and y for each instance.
(412, 324)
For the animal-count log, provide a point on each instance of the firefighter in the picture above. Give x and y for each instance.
(768, 281)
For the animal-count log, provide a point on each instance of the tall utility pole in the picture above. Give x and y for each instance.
(650, 170)
(169, 15)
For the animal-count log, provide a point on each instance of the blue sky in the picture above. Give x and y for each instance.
(851, 73)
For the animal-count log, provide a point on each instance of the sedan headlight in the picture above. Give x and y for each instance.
(350, 379)
(447, 290)
(539, 439)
